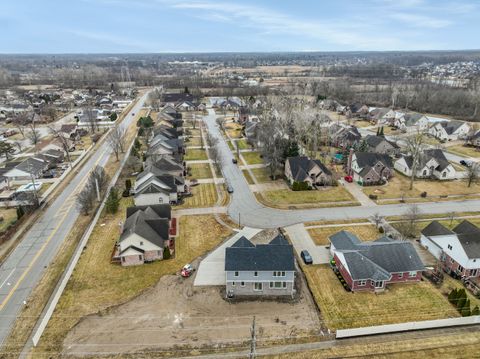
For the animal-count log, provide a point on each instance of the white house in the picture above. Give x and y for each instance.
(458, 250)
(433, 163)
(449, 130)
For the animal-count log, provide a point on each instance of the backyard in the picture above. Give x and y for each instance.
(193, 141)
(367, 232)
(399, 303)
(461, 150)
(96, 284)
(234, 130)
(8, 216)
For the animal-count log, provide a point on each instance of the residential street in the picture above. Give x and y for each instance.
(22, 270)
(245, 208)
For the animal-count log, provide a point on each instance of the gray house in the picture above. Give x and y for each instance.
(262, 269)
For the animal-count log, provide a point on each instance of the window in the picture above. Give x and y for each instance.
(160, 200)
(258, 286)
(473, 272)
(449, 247)
(400, 275)
(140, 257)
(233, 284)
(424, 172)
(123, 259)
(141, 243)
(460, 268)
(284, 285)
(277, 285)
(255, 274)
(362, 282)
(412, 274)
(444, 174)
(279, 274)
(236, 274)
(242, 284)
(379, 284)
(159, 253)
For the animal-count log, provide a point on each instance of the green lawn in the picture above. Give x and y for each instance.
(242, 144)
(193, 141)
(252, 158)
(248, 177)
(200, 171)
(230, 145)
(204, 195)
(195, 155)
(263, 175)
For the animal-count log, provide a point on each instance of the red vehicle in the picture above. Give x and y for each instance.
(187, 270)
(349, 179)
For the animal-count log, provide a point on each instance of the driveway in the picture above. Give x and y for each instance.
(211, 270)
(301, 240)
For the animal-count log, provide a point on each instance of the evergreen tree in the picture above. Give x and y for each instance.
(128, 184)
(452, 296)
(20, 212)
(381, 131)
(378, 131)
(166, 253)
(363, 146)
(465, 311)
(476, 310)
(113, 201)
(461, 298)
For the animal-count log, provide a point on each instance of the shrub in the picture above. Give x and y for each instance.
(126, 193)
(476, 310)
(166, 253)
(373, 196)
(20, 212)
(381, 230)
(113, 116)
(452, 296)
(137, 144)
(128, 184)
(465, 311)
(300, 186)
(423, 194)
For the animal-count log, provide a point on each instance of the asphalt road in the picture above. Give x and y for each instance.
(245, 208)
(22, 270)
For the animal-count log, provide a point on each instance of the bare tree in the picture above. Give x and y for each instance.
(20, 122)
(412, 215)
(451, 216)
(95, 187)
(51, 112)
(33, 134)
(473, 172)
(63, 140)
(415, 148)
(116, 140)
(377, 219)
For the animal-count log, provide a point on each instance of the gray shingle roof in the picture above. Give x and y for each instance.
(147, 224)
(469, 237)
(378, 259)
(301, 165)
(436, 229)
(370, 159)
(244, 256)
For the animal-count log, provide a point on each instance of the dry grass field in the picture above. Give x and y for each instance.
(96, 284)
(8, 215)
(195, 155)
(364, 232)
(248, 177)
(464, 151)
(399, 303)
(286, 197)
(199, 170)
(252, 158)
(204, 195)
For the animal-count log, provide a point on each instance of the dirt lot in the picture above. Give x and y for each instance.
(174, 313)
(366, 232)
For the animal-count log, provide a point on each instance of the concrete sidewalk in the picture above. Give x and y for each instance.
(197, 211)
(211, 270)
(356, 191)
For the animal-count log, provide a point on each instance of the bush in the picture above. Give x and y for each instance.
(166, 253)
(465, 311)
(20, 212)
(381, 229)
(128, 184)
(452, 296)
(126, 193)
(423, 194)
(373, 196)
(113, 116)
(300, 186)
(476, 310)
(137, 144)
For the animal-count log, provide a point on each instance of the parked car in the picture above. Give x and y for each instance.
(234, 160)
(349, 179)
(187, 270)
(307, 258)
(463, 162)
(229, 188)
(133, 113)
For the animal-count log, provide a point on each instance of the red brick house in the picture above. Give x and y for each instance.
(146, 233)
(371, 266)
(458, 250)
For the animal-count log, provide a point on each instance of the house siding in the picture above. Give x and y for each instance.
(148, 199)
(248, 288)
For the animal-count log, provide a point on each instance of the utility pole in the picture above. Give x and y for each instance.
(253, 342)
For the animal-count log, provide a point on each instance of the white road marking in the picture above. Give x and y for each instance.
(13, 270)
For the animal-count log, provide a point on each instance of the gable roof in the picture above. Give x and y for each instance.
(370, 159)
(374, 141)
(375, 260)
(147, 224)
(162, 210)
(301, 165)
(469, 237)
(274, 256)
(435, 228)
(32, 165)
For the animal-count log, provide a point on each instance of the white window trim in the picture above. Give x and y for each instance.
(242, 284)
(412, 274)
(235, 274)
(362, 282)
(378, 281)
(261, 286)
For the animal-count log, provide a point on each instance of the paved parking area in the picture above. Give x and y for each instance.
(211, 270)
(301, 240)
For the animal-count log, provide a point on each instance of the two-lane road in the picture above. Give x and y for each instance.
(252, 214)
(22, 270)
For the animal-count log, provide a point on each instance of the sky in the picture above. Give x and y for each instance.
(138, 26)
